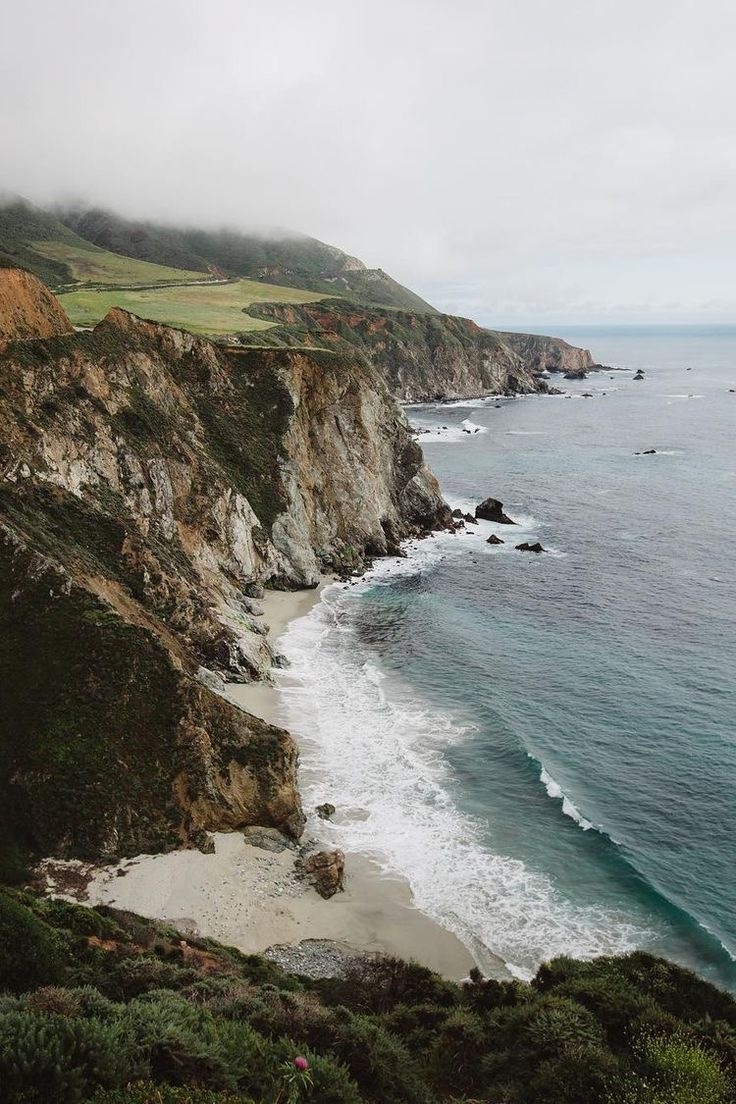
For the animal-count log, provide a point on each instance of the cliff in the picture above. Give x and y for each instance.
(146, 478)
(423, 356)
(548, 354)
(28, 309)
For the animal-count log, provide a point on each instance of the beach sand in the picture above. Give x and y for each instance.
(252, 899)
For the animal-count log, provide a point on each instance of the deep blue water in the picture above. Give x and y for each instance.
(465, 693)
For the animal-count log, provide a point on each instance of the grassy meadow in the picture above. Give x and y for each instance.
(203, 309)
(89, 264)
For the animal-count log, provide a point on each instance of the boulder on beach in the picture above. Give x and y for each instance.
(268, 839)
(492, 510)
(324, 870)
(526, 547)
(493, 539)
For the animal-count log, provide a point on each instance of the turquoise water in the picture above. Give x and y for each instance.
(546, 745)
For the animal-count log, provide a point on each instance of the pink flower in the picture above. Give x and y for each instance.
(301, 1063)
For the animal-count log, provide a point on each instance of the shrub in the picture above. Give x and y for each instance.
(457, 1049)
(582, 1075)
(378, 984)
(146, 1092)
(378, 1061)
(45, 1059)
(31, 953)
(561, 1025)
(672, 1071)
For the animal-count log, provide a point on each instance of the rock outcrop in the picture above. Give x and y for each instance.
(423, 356)
(325, 871)
(548, 354)
(28, 309)
(492, 510)
(151, 483)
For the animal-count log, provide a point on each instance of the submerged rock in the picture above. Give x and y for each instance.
(526, 547)
(492, 510)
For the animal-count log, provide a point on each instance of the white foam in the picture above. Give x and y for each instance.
(449, 434)
(368, 744)
(556, 793)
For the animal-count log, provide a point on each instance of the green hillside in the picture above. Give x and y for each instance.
(292, 260)
(34, 239)
(214, 309)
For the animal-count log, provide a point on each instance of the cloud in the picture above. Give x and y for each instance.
(511, 159)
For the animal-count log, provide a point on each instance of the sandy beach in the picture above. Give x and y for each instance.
(252, 898)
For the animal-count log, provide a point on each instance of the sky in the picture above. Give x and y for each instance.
(517, 161)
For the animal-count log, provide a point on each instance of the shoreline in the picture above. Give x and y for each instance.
(251, 897)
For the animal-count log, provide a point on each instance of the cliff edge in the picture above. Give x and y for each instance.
(148, 478)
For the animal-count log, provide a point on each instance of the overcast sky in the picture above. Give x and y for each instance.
(514, 160)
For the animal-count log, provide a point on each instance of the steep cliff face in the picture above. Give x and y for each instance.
(423, 356)
(146, 477)
(548, 354)
(28, 309)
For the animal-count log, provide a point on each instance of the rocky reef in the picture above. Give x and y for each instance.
(148, 480)
(424, 356)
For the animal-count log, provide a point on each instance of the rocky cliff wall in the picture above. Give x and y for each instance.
(424, 356)
(148, 479)
(28, 309)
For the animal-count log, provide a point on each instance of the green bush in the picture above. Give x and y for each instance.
(48, 1058)
(456, 1051)
(379, 1062)
(673, 1070)
(31, 953)
(147, 1092)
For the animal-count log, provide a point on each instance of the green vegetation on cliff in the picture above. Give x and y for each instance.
(219, 308)
(36, 240)
(104, 1006)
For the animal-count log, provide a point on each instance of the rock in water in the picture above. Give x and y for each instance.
(325, 811)
(526, 547)
(492, 510)
(325, 871)
(493, 539)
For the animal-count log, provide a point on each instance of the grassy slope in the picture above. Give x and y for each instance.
(295, 261)
(213, 309)
(88, 264)
(34, 239)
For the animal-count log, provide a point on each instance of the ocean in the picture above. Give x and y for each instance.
(545, 745)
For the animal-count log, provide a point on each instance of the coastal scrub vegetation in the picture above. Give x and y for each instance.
(104, 1007)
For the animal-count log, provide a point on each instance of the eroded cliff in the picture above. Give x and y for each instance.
(424, 356)
(146, 478)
